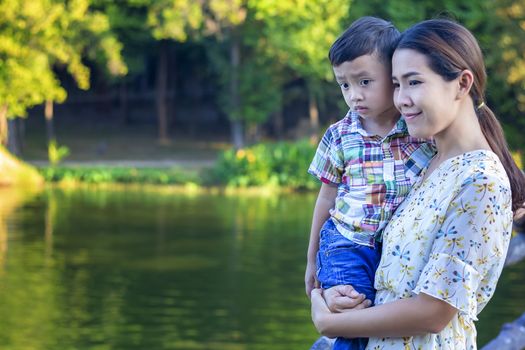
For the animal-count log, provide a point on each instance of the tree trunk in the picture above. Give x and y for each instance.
(21, 128)
(124, 102)
(3, 125)
(278, 123)
(314, 114)
(162, 88)
(236, 122)
(13, 142)
(253, 133)
(237, 131)
(50, 126)
(173, 88)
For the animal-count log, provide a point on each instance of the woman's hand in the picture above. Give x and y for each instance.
(341, 299)
(320, 310)
(344, 298)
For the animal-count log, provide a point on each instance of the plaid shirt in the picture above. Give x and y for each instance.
(373, 174)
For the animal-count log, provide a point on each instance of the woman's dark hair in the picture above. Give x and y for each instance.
(365, 36)
(450, 49)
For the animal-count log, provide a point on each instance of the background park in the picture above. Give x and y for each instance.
(153, 164)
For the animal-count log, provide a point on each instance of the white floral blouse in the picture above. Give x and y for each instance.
(448, 239)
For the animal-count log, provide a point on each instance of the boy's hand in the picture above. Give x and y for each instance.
(310, 281)
(345, 298)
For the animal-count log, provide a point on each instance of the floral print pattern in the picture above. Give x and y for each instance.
(448, 239)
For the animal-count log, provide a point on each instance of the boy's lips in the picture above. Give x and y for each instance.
(360, 108)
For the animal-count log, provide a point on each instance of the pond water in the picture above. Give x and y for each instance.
(133, 269)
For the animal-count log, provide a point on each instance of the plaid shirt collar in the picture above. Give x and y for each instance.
(400, 129)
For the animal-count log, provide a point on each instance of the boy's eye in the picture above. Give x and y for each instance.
(365, 82)
(344, 86)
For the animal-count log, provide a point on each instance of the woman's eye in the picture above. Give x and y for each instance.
(414, 82)
(396, 85)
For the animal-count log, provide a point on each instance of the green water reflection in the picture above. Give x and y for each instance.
(144, 270)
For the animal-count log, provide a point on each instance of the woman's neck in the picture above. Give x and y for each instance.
(463, 135)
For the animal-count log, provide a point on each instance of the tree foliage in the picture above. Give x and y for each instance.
(277, 41)
(173, 19)
(254, 47)
(498, 25)
(38, 36)
(299, 33)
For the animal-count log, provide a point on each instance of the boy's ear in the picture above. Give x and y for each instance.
(465, 81)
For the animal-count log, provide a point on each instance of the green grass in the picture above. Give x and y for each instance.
(282, 164)
(98, 175)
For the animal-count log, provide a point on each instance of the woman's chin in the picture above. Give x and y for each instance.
(417, 132)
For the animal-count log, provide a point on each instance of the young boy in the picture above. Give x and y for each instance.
(367, 163)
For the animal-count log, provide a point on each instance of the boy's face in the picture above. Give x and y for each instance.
(366, 84)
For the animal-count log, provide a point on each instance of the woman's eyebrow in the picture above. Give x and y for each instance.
(409, 74)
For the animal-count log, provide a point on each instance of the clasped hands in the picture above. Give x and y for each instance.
(338, 299)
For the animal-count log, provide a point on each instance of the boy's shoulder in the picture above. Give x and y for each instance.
(348, 124)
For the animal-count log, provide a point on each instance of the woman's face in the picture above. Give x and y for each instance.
(428, 102)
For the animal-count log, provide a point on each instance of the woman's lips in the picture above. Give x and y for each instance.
(411, 116)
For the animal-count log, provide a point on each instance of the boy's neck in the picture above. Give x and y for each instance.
(381, 125)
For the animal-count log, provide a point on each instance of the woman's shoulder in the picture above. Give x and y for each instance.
(482, 168)
(480, 164)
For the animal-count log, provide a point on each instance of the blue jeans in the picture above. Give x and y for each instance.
(341, 261)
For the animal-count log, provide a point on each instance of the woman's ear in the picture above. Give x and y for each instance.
(465, 81)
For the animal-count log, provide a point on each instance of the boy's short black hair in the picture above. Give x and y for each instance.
(365, 36)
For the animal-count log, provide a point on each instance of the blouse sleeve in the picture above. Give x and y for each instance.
(470, 247)
(328, 164)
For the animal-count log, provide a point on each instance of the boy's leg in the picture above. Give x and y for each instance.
(341, 261)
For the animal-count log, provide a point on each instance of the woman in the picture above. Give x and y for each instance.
(444, 249)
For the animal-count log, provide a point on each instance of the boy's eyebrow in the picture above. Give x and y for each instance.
(360, 74)
(356, 75)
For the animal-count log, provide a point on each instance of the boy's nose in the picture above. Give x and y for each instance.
(355, 96)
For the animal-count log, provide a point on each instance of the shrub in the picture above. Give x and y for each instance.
(279, 164)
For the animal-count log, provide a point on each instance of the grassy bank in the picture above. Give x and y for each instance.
(268, 165)
(276, 165)
(123, 175)
(14, 172)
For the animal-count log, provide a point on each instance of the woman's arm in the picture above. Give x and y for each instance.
(421, 314)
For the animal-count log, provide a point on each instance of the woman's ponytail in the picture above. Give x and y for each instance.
(491, 128)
